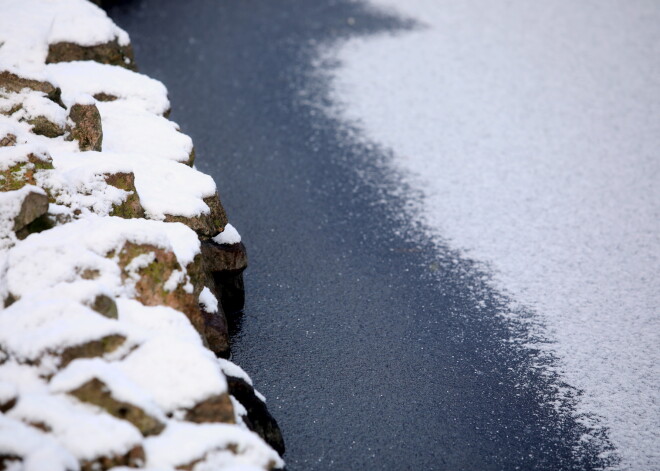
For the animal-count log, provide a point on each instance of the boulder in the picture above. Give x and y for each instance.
(151, 281)
(224, 257)
(258, 418)
(87, 128)
(12, 82)
(206, 225)
(217, 408)
(34, 205)
(111, 53)
(96, 392)
(224, 265)
(131, 207)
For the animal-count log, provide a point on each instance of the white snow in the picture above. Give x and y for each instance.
(208, 300)
(91, 78)
(32, 104)
(177, 374)
(84, 430)
(532, 131)
(166, 450)
(228, 236)
(38, 450)
(27, 27)
(156, 321)
(45, 323)
(232, 369)
(121, 387)
(129, 129)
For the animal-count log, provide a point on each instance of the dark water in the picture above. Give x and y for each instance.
(373, 351)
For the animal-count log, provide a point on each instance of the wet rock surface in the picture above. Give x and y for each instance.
(258, 419)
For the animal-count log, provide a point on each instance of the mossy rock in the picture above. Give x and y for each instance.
(92, 349)
(106, 306)
(131, 207)
(15, 83)
(216, 409)
(96, 392)
(22, 173)
(87, 128)
(44, 127)
(150, 286)
(205, 225)
(106, 53)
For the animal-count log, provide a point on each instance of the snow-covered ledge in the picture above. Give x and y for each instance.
(117, 265)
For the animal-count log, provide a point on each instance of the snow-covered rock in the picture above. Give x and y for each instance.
(110, 318)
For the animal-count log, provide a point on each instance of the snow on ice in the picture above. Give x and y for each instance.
(532, 131)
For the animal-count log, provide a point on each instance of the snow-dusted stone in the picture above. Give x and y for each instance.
(96, 439)
(44, 326)
(45, 117)
(111, 52)
(209, 447)
(28, 448)
(178, 375)
(131, 206)
(7, 139)
(13, 82)
(224, 265)
(34, 204)
(256, 416)
(109, 82)
(86, 128)
(157, 279)
(104, 385)
(207, 224)
(20, 164)
(19, 209)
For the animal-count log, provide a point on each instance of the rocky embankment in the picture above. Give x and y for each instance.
(118, 267)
